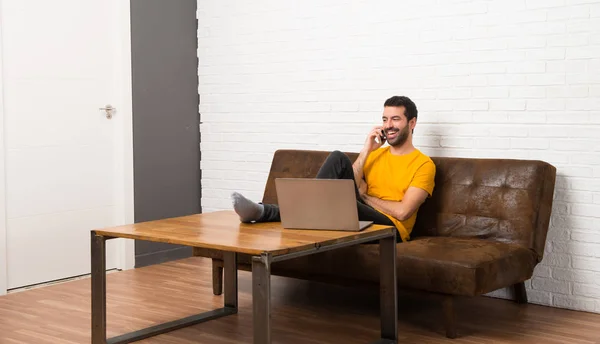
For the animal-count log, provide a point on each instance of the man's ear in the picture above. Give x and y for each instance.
(412, 123)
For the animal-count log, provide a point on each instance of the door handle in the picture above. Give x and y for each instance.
(108, 109)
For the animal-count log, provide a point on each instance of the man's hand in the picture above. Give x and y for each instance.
(370, 143)
(401, 210)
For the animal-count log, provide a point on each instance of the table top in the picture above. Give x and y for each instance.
(222, 230)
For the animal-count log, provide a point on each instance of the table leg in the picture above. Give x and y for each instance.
(98, 253)
(388, 291)
(261, 298)
(231, 280)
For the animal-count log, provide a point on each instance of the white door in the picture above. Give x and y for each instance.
(68, 167)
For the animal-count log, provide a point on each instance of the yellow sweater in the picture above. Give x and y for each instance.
(388, 177)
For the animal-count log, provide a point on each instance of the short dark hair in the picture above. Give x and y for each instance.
(397, 101)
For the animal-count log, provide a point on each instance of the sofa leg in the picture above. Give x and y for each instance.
(520, 293)
(449, 317)
(217, 276)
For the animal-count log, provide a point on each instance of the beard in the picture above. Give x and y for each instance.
(400, 139)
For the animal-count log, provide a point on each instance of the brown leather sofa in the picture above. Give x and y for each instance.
(483, 229)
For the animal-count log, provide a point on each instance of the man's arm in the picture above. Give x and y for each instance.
(359, 164)
(401, 210)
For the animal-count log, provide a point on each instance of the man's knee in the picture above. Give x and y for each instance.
(338, 155)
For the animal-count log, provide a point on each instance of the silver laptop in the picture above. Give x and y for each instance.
(329, 204)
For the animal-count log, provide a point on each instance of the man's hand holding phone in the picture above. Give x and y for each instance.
(375, 139)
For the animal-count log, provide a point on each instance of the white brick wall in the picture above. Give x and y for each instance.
(509, 79)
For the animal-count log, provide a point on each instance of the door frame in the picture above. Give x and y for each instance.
(124, 200)
(124, 143)
(3, 247)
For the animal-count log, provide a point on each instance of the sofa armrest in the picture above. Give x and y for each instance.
(544, 213)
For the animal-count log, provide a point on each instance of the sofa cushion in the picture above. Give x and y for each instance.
(462, 266)
(496, 199)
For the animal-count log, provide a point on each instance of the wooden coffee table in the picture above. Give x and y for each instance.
(268, 243)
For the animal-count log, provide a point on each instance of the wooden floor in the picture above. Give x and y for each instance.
(303, 312)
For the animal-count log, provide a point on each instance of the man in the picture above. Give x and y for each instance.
(391, 182)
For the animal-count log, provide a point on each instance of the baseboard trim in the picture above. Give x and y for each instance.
(162, 256)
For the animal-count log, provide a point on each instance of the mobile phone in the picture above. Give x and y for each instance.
(381, 138)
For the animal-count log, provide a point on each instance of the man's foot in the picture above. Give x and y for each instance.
(247, 210)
